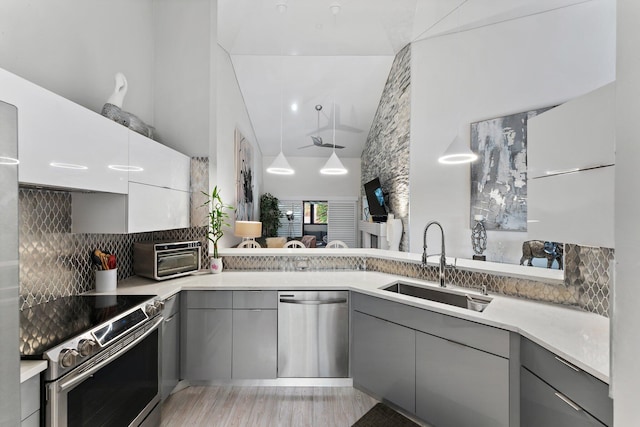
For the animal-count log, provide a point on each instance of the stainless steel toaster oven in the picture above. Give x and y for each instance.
(161, 261)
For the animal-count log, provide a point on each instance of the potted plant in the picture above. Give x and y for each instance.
(269, 215)
(217, 219)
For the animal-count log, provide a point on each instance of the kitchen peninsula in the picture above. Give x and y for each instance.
(572, 336)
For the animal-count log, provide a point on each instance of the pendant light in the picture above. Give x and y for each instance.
(334, 166)
(280, 166)
(458, 151)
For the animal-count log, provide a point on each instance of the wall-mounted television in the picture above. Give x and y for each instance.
(375, 198)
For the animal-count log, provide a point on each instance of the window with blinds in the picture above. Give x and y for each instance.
(293, 227)
(342, 222)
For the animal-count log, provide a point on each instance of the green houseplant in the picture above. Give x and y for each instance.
(217, 220)
(269, 215)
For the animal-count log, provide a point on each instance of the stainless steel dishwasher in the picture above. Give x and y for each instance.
(313, 334)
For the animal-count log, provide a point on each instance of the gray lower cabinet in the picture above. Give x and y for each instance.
(206, 336)
(255, 344)
(229, 335)
(553, 388)
(384, 359)
(458, 385)
(542, 405)
(170, 345)
(448, 371)
(30, 402)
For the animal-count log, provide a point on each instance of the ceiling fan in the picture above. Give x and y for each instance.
(317, 140)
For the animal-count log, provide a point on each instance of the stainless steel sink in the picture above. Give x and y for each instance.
(458, 299)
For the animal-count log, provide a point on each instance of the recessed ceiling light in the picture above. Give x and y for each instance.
(294, 107)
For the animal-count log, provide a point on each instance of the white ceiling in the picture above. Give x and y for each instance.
(314, 57)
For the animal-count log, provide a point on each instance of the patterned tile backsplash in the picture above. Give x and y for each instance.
(588, 275)
(55, 262)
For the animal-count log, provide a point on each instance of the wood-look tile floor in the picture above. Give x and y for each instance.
(234, 406)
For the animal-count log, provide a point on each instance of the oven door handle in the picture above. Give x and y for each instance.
(71, 382)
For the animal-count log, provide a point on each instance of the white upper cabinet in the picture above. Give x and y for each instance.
(573, 208)
(161, 166)
(62, 144)
(578, 134)
(145, 208)
(571, 157)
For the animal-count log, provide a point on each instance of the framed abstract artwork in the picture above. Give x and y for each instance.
(499, 176)
(244, 178)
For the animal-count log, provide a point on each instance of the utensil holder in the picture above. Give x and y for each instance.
(106, 280)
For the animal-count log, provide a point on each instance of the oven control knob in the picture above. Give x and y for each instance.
(85, 347)
(67, 357)
(153, 308)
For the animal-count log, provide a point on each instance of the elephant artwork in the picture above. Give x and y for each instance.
(540, 249)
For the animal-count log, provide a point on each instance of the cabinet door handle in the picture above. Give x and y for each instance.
(169, 319)
(568, 401)
(564, 362)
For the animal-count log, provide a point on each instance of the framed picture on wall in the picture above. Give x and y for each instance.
(499, 176)
(244, 177)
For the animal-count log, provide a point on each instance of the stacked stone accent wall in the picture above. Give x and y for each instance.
(386, 153)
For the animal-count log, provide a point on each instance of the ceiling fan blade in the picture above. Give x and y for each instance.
(316, 140)
(331, 146)
(306, 146)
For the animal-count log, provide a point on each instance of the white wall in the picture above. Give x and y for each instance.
(514, 66)
(74, 48)
(232, 114)
(309, 184)
(625, 346)
(184, 42)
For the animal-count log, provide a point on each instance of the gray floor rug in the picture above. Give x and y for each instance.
(383, 416)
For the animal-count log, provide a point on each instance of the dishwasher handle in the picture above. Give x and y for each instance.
(313, 302)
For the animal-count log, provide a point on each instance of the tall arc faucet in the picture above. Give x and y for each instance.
(443, 259)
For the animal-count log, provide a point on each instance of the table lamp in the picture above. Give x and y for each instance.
(248, 229)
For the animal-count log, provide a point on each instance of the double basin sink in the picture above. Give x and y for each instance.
(450, 297)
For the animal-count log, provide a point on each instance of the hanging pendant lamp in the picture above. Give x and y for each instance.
(334, 166)
(457, 153)
(280, 165)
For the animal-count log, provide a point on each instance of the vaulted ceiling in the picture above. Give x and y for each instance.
(317, 52)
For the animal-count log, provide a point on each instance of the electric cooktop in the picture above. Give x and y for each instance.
(47, 325)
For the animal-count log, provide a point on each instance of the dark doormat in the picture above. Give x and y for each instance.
(383, 416)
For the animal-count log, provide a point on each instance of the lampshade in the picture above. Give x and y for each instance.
(280, 166)
(333, 166)
(248, 229)
(457, 152)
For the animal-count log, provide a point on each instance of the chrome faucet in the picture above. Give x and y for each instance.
(443, 259)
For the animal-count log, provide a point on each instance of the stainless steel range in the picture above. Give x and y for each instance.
(103, 354)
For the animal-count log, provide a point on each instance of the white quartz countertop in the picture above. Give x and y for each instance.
(581, 338)
(31, 368)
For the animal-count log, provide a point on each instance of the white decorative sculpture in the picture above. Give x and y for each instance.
(113, 109)
(394, 232)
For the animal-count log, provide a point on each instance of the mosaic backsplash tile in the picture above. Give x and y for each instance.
(586, 286)
(55, 263)
(294, 263)
(590, 271)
